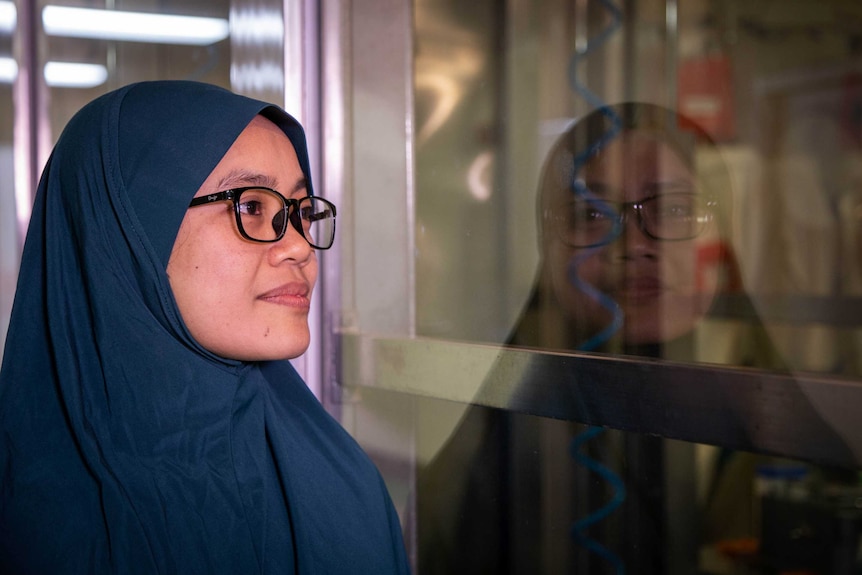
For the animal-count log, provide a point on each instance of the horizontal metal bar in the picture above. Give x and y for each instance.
(806, 416)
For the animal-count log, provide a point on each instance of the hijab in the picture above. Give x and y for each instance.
(127, 447)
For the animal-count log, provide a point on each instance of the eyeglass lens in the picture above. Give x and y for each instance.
(588, 221)
(262, 217)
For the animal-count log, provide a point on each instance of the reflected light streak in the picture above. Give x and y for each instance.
(256, 78)
(8, 70)
(479, 176)
(445, 75)
(60, 74)
(8, 17)
(257, 46)
(133, 26)
(446, 95)
(74, 75)
(22, 137)
(254, 25)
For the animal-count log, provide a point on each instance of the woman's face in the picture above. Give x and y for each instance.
(659, 286)
(240, 299)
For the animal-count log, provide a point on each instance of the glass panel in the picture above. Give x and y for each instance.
(79, 56)
(514, 493)
(510, 116)
(138, 58)
(737, 102)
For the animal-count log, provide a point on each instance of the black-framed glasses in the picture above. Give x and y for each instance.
(585, 222)
(262, 215)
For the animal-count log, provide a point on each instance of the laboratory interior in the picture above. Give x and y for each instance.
(595, 299)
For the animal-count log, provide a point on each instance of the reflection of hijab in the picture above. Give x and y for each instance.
(126, 447)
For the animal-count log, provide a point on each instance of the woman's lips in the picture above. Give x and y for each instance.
(641, 288)
(293, 294)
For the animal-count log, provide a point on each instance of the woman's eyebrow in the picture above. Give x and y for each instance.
(238, 178)
(597, 187)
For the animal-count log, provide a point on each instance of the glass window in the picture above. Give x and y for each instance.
(142, 43)
(57, 56)
(609, 320)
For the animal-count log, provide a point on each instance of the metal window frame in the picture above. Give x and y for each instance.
(800, 415)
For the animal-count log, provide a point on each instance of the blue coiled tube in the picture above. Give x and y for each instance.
(578, 529)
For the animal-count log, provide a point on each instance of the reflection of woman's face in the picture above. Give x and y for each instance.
(659, 285)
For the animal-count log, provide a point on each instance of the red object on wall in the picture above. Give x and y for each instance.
(705, 95)
(718, 256)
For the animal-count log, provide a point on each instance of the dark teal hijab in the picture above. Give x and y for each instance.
(125, 447)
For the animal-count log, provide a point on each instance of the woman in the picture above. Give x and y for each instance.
(151, 422)
(635, 257)
(622, 219)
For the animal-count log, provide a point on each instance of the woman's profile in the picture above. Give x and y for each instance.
(151, 422)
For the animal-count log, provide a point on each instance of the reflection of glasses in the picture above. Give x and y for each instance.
(262, 215)
(588, 222)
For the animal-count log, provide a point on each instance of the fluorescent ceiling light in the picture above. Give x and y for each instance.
(74, 75)
(8, 70)
(133, 26)
(60, 74)
(8, 17)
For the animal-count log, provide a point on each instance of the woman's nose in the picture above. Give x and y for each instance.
(635, 242)
(291, 247)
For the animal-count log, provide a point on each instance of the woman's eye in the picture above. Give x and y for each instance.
(592, 215)
(590, 212)
(676, 210)
(250, 208)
